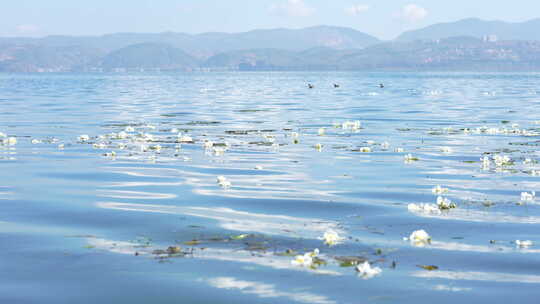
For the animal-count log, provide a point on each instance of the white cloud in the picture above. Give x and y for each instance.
(357, 9)
(27, 29)
(293, 8)
(413, 13)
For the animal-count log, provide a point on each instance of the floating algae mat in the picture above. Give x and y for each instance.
(144, 188)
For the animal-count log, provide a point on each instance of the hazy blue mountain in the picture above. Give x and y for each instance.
(528, 30)
(208, 44)
(149, 56)
(35, 58)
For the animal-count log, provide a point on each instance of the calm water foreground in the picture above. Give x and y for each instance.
(134, 213)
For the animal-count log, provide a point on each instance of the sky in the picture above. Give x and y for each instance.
(384, 19)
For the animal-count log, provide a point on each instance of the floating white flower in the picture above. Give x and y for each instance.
(185, 139)
(501, 160)
(61, 146)
(409, 158)
(321, 131)
(528, 197)
(156, 148)
(258, 167)
(306, 259)
(366, 271)
(522, 244)
(294, 135)
(445, 204)
(36, 141)
(223, 182)
(439, 190)
(129, 129)
(528, 161)
(365, 149)
(420, 238)
(385, 145)
(370, 142)
(218, 151)
(399, 150)
(485, 162)
(208, 145)
(318, 147)
(174, 130)
(2, 135)
(10, 141)
(446, 149)
(352, 125)
(84, 138)
(331, 238)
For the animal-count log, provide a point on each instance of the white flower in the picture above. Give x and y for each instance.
(485, 162)
(223, 182)
(11, 141)
(420, 238)
(352, 125)
(318, 147)
(524, 243)
(185, 139)
(446, 149)
(444, 203)
(258, 167)
(294, 135)
(321, 131)
(61, 146)
(218, 151)
(129, 129)
(370, 142)
(385, 145)
(84, 138)
(156, 148)
(527, 161)
(306, 259)
(501, 160)
(208, 145)
(399, 150)
(174, 130)
(409, 158)
(2, 135)
(36, 141)
(366, 271)
(439, 190)
(528, 197)
(331, 238)
(365, 149)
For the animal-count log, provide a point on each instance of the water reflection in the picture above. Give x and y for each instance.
(236, 220)
(264, 290)
(479, 276)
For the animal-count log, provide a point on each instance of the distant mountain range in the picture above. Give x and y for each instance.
(529, 30)
(460, 45)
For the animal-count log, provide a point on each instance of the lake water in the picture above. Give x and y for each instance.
(90, 220)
